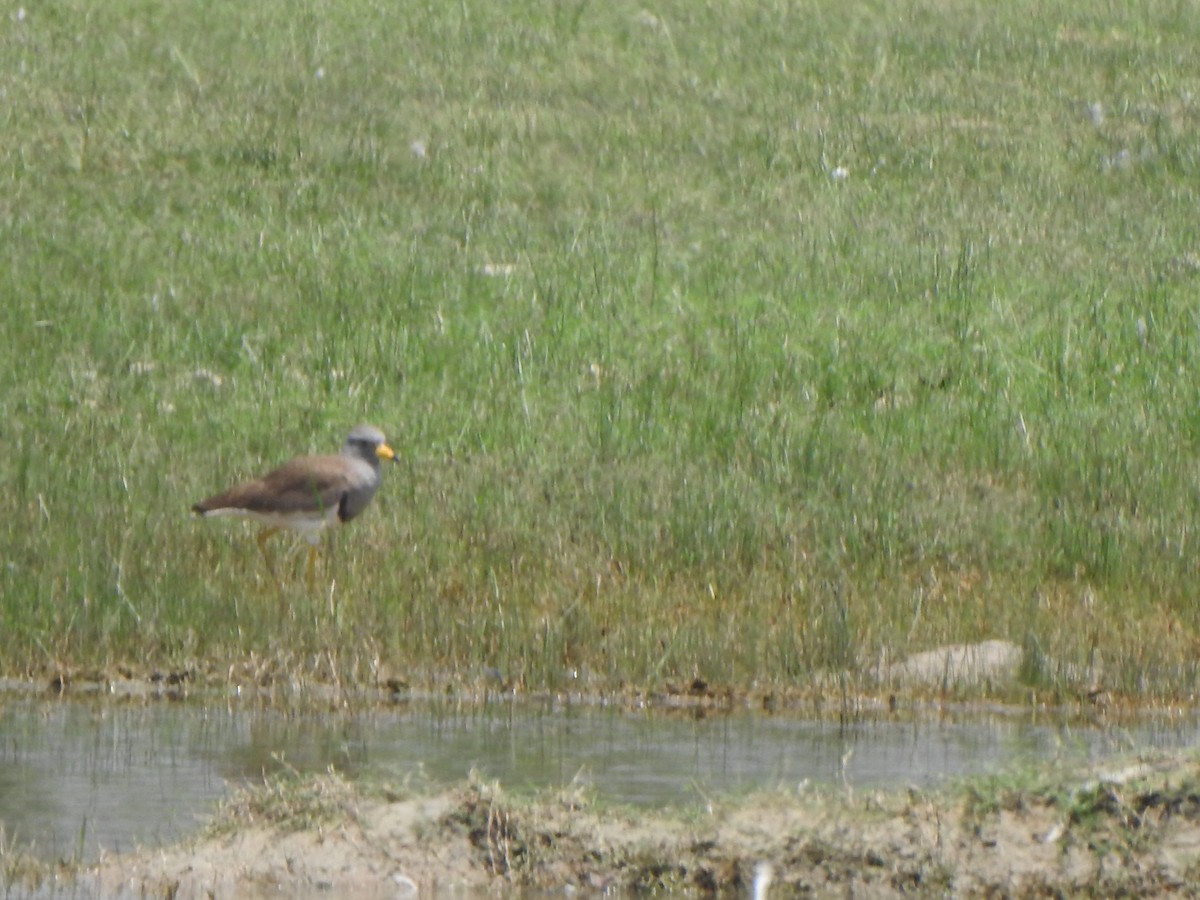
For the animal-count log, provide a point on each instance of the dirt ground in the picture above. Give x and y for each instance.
(1131, 832)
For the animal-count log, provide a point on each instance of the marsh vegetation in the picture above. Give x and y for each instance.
(728, 343)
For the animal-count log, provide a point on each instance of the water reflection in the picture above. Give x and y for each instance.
(76, 778)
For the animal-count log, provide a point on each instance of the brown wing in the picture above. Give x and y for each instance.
(306, 484)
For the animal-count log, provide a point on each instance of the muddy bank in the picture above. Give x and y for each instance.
(1131, 831)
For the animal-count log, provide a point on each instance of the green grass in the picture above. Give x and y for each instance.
(671, 398)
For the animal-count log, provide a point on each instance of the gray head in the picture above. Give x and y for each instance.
(366, 442)
(364, 445)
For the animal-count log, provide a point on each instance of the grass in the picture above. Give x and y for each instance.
(748, 341)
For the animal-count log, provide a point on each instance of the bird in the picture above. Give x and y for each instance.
(308, 493)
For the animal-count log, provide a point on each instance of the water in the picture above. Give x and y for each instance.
(77, 778)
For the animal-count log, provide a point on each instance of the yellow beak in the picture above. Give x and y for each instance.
(383, 451)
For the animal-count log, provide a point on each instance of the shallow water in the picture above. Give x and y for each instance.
(77, 778)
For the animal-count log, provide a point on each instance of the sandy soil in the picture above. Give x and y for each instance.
(1130, 832)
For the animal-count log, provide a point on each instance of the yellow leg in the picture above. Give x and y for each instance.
(263, 537)
(310, 572)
